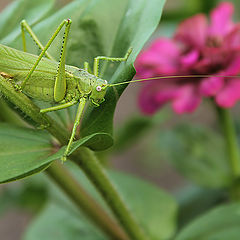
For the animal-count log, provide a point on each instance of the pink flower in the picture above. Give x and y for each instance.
(198, 48)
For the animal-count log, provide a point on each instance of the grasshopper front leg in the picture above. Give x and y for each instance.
(111, 59)
(80, 109)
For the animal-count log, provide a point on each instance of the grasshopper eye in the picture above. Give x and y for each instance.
(98, 88)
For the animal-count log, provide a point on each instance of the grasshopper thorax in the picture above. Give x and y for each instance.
(88, 85)
(98, 92)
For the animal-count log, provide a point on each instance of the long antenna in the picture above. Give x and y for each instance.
(173, 76)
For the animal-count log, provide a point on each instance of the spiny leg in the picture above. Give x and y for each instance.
(25, 26)
(64, 22)
(59, 107)
(111, 59)
(80, 109)
(60, 83)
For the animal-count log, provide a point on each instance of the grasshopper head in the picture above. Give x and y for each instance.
(98, 91)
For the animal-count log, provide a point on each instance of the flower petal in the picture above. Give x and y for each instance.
(187, 101)
(162, 58)
(233, 68)
(155, 94)
(190, 58)
(221, 23)
(228, 96)
(232, 40)
(166, 47)
(193, 31)
(211, 85)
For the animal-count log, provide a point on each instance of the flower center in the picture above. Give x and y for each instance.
(214, 42)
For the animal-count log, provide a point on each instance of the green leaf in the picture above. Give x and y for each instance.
(101, 119)
(191, 196)
(198, 153)
(102, 27)
(220, 223)
(23, 152)
(97, 141)
(57, 222)
(133, 31)
(12, 15)
(155, 210)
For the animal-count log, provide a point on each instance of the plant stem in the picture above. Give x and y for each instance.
(21, 101)
(56, 171)
(231, 140)
(87, 160)
(83, 157)
(8, 115)
(84, 201)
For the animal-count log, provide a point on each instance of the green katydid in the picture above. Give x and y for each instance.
(47, 80)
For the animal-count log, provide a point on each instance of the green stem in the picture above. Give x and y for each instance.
(231, 140)
(84, 201)
(8, 115)
(57, 172)
(87, 160)
(83, 157)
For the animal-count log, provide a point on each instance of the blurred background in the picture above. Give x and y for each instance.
(152, 141)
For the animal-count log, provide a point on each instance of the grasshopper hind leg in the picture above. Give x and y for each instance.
(27, 28)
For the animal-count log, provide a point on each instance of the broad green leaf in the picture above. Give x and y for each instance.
(198, 153)
(221, 223)
(57, 222)
(102, 27)
(89, 25)
(22, 152)
(96, 141)
(154, 209)
(191, 196)
(25, 151)
(133, 31)
(12, 15)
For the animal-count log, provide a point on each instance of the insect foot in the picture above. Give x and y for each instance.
(64, 158)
